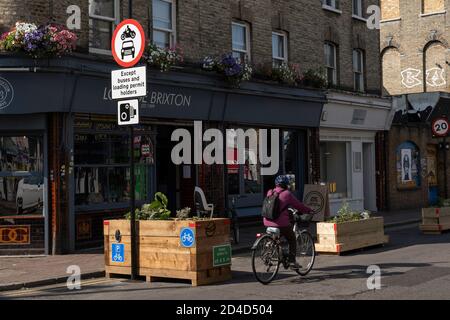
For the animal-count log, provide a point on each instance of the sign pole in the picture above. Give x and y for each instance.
(132, 187)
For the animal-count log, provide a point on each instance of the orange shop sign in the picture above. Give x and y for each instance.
(14, 235)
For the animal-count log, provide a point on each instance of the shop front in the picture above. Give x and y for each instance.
(348, 148)
(75, 159)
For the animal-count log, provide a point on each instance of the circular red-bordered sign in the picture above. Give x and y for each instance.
(128, 43)
(440, 127)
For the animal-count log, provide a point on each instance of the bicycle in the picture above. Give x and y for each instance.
(271, 250)
(232, 214)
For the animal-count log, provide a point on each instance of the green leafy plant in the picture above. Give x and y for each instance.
(286, 73)
(156, 210)
(163, 58)
(314, 78)
(346, 214)
(184, 213)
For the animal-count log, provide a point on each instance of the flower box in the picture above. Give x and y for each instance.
(435, 220)
(161, 253)
(341, 237)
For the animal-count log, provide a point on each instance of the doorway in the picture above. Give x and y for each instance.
(369, 184)
(177, 182)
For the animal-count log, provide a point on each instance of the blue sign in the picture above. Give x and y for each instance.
(118, 250)
(187, 237)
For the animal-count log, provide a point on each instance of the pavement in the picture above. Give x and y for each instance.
(34, 271)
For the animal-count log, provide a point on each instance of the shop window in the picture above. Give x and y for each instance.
(331, 62)
(164, 27)
(333, 168)
(21, 175)
(241, 41)
(243, 178)
(103, 18)
(432, 6)
(358, 70)
(390, 9)
(408, 166)
(279, 48)
(102, 159)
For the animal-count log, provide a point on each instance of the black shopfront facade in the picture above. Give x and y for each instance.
(64, 161)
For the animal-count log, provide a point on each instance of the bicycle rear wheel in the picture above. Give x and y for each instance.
(265, 259)
(306, 252)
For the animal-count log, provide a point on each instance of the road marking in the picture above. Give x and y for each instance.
(31, 291)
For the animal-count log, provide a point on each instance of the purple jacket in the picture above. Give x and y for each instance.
(287, 200)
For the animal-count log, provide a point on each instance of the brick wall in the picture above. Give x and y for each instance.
(417, 43)
(204, 28)
(421, 136)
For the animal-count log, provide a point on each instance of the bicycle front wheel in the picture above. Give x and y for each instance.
(306, 252)
(265, 259)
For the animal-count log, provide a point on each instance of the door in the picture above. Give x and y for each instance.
(370, 201)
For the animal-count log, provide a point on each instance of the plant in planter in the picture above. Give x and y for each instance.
(45, 41)
(156, 210)
(350, 230)
(346, 214)
(314, 78)
(286, 73)
(163, 58)
(228, 66)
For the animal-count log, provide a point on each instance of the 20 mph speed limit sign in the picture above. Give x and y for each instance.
(440, 127)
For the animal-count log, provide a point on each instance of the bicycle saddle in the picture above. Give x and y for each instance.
(273, 231)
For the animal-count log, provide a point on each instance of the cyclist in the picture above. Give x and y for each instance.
(283, 222)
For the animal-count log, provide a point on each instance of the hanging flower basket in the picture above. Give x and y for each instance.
(163, 58)
(45, 41)
(229, 67)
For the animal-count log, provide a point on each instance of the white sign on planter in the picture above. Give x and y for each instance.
(129, 83)
(128, 112)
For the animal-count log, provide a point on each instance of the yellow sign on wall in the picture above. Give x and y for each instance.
(14, 235)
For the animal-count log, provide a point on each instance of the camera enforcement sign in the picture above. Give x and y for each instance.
(128, 83)
(128, 112)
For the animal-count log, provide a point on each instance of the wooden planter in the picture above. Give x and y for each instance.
(435, 220)
(162, 254)
(341, 237)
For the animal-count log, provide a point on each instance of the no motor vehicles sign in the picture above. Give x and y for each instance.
(128, 43)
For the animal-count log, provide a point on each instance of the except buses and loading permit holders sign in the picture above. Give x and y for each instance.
(128, 83)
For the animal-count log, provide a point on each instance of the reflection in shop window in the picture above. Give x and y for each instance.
(333, 168)
(244, 178)
(102, 174)
(21, 175)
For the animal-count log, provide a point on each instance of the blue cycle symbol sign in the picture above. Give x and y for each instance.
(187, 237)
(118, 250)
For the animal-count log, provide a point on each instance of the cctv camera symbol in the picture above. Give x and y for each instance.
(127, 112)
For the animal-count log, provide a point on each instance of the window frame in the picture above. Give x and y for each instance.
(361, 72)
(334, 6)
(284, 59)
(335, 68)
(172, 32)
(360, 14)
(114, 22)
(247, 52)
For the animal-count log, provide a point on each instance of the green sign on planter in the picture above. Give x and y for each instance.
(222, 255)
